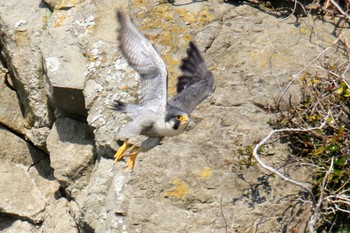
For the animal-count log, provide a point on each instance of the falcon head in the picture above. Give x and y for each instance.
(176, 119)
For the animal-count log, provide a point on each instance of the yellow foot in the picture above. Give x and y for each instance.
(132, 157)
(121, 151)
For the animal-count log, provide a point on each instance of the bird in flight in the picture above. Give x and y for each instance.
(155, 116)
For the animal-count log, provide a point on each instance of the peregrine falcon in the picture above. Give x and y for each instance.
(155, 116)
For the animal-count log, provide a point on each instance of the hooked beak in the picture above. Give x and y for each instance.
(183, 119)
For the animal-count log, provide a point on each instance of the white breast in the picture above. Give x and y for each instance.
(166, 129)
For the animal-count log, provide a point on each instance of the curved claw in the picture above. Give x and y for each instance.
(120, 153)
(132, 157)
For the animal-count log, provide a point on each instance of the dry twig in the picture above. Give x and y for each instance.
(316, 210)
(315, 205)
(342, 12)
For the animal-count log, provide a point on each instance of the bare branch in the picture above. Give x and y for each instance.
(315, 205)
(341, 209)
(316, 210)
(273, 170)
(340, 9)
(294, 8)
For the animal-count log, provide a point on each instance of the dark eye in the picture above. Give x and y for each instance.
(178, 117)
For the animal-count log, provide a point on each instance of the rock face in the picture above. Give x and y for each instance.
(32, 205)
(71, 149)
(62, 69)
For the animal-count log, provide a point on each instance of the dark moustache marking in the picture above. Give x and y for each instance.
(176, 125)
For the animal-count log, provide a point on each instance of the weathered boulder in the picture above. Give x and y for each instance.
(20, 196)
(71, 147)
(63, 57)
(16, 150)
(21, 30)
(64, 69)
(10, 114)
(20, 51)
(10, 225)
(58, 218)
(92, 198)
(25, 182)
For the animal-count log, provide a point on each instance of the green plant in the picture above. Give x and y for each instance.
(246, 158)
(327, 98)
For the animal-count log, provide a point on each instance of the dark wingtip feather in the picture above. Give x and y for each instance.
(118, 105)
(189, 68)
(191, 47)
(193, 50)
(182, 81)
(193, 59)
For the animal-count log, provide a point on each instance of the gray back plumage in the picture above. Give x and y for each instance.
(144, 58)
(196, 82)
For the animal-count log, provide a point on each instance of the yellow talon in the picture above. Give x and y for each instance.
(132, 157)
(121, 151)
(135, 150)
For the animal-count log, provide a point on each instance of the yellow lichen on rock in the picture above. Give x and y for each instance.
(199, 19)
(179, 191)
(138, 3)
(66, 4)
(172, 64)
(22, 38)
(172, 36)
(206, 172)
(205, 15)
(188, 18)
(59, 18)
(44, 19)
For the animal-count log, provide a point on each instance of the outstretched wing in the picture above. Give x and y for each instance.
(196, 82)
(144, 58)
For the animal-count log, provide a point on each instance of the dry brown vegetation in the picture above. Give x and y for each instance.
(317, 130)
(337, 10)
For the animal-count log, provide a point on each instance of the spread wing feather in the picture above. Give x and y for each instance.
(196, 82)
(144, 58)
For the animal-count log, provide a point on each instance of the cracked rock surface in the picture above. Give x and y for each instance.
(62, 69)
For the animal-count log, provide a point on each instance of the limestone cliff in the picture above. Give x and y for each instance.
(61, 68)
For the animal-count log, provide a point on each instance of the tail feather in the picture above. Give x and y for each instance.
(131, 110)
(119, 106)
